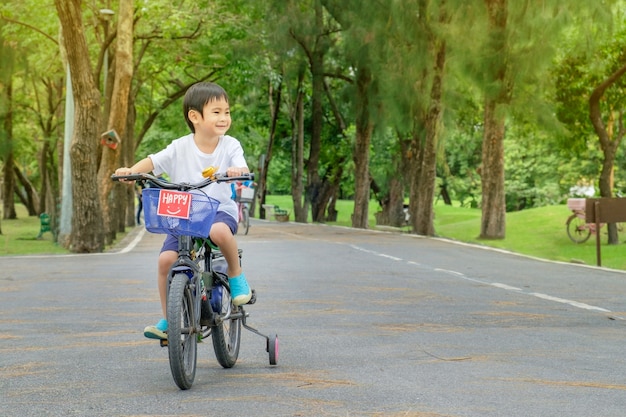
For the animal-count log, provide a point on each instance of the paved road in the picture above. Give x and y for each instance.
(369, 323)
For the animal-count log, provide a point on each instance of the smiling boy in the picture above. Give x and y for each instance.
(207, 113)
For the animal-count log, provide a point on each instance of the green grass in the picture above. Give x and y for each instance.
(536, 232)
(19, 236)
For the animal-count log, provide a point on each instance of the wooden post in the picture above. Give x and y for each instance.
(613, 211)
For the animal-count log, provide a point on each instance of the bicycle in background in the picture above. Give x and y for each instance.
(576, 225)
(244, 195)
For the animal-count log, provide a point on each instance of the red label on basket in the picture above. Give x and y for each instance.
(174, 204)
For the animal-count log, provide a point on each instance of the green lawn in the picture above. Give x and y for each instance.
(537, 232)
(19, 237)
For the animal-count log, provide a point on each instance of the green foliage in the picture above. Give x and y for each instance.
(531, 180)
(463, 142)
(253, 47)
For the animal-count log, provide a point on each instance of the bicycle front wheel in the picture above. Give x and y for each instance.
(226, 334)
(577, 229)
(246, 219)
(181, 336)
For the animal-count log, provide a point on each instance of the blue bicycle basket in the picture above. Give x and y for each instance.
(201, 215)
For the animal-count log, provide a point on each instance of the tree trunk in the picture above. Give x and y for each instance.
(493, 221)
(7, 59)
(118, 114)
(364, 129)
(28, 194)
(301, 208)
(87, 228)
(317, 117)
(392, 206)
(423, 224)
(123, 194)
(275, 111)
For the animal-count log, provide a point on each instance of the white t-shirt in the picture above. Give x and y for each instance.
(184, 162)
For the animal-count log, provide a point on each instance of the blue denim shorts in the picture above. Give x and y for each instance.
(171, 242)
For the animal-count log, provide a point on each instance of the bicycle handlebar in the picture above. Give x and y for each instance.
(183, 186)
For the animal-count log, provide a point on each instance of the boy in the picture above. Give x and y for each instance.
(207, 114)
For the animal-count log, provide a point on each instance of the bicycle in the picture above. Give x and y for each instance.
(576, 225)
(245, 196)
(198, 297)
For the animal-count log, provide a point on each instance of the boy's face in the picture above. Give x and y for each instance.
(215, 119)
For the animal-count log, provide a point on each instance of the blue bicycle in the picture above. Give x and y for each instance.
(198, 299)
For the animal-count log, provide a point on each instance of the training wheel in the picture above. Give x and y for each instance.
(272, 348)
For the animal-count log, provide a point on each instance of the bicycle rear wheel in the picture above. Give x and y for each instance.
(577, 229)
(246, 219)
(226, 334)
(181, 337)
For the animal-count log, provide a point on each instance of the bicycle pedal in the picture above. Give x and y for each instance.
(252, 299)
(163, 342)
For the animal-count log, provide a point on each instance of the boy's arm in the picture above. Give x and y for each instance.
(141, 167)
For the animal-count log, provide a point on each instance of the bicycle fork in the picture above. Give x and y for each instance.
(184, 265)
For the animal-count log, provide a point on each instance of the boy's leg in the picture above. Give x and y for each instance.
(166, 259)
(222, 235)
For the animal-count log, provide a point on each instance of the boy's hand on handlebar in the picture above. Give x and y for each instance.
(237, 171)
(123, 171)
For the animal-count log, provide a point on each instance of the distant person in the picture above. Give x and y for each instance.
(138, 191)
(236, 187)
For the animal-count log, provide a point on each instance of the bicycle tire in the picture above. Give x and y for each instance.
(182, 341)
(272, 349)
(246, 219)
(226, 335)
(577, 229)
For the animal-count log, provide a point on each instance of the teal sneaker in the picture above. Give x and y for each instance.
(158, 331)
(239, 290)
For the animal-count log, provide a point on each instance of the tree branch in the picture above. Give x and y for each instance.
(17, 22)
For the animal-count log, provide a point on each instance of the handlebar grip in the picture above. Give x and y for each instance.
(131, 177)
(243, 177)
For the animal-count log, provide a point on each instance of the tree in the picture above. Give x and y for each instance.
(496, 97)
(424, 179)
(117, 123)
(313, 40)
(87, 227)
(591, 98)
(609, 139)
(7, 60)
(36, 101)
(516, 42)
(358, 43)
(413, 72)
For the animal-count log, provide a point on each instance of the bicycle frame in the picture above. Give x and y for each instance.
(192, 252)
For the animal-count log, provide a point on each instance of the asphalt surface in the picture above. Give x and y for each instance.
(369, 324)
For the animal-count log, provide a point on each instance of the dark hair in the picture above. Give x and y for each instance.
(198, 95)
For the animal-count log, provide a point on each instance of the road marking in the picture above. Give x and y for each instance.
(505, 287)
(389, 257)
(570, 302)
(134, 242)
